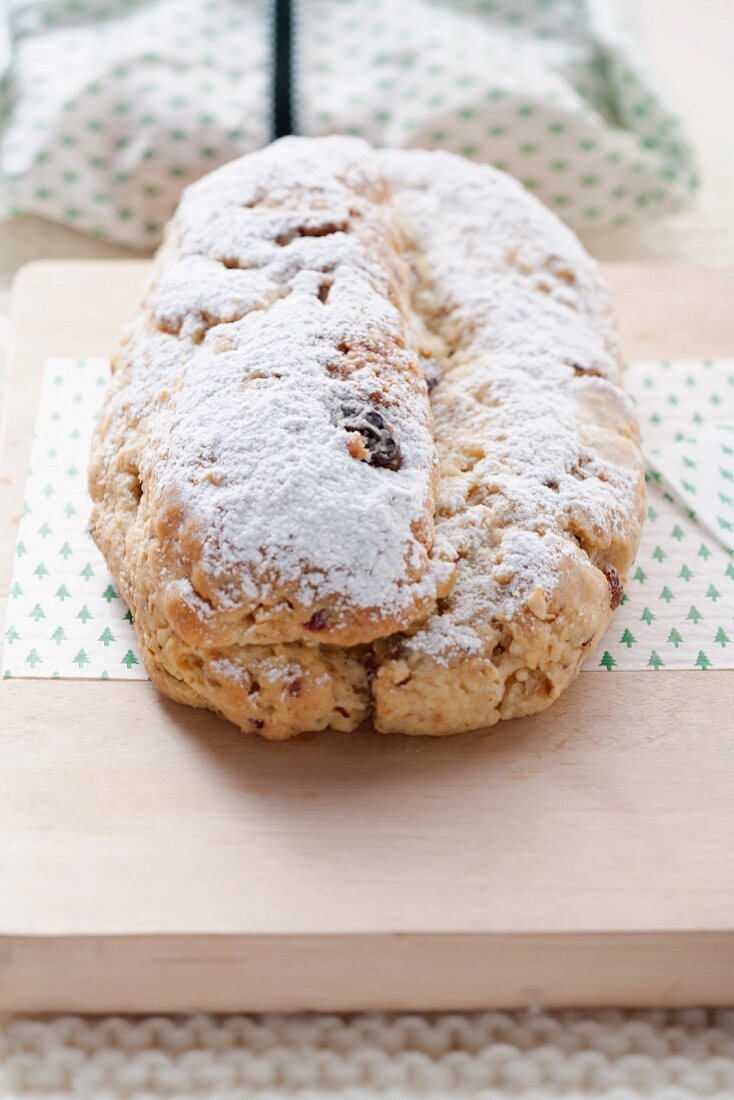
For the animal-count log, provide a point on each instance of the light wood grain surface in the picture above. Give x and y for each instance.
(154, 858)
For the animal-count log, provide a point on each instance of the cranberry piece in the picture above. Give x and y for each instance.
(318, 621)
(615, 586)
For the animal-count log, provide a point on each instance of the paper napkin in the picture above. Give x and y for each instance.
(65, 616)
(678, 609)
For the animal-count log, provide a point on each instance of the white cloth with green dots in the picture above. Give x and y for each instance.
(109, 107)
(65, 617)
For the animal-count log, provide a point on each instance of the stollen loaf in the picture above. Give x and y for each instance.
(365, 451)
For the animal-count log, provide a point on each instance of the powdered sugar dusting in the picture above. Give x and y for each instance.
(278, 304)
(282, 492)
(529, 414)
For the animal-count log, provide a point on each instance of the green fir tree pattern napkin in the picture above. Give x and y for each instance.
(65, 617)
(678, 608)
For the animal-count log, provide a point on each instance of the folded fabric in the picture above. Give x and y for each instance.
(698, 469)
(109, 107)
(685, 411)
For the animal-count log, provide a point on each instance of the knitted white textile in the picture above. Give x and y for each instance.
(675, 1055)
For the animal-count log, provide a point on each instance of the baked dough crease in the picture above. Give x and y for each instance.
(365, 451)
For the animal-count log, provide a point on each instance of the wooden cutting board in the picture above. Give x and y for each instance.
(153, 858)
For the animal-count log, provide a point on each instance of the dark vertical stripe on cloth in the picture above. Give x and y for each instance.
(282, 68)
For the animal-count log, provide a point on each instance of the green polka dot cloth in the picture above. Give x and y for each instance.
(65, 617)
(110, 107)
